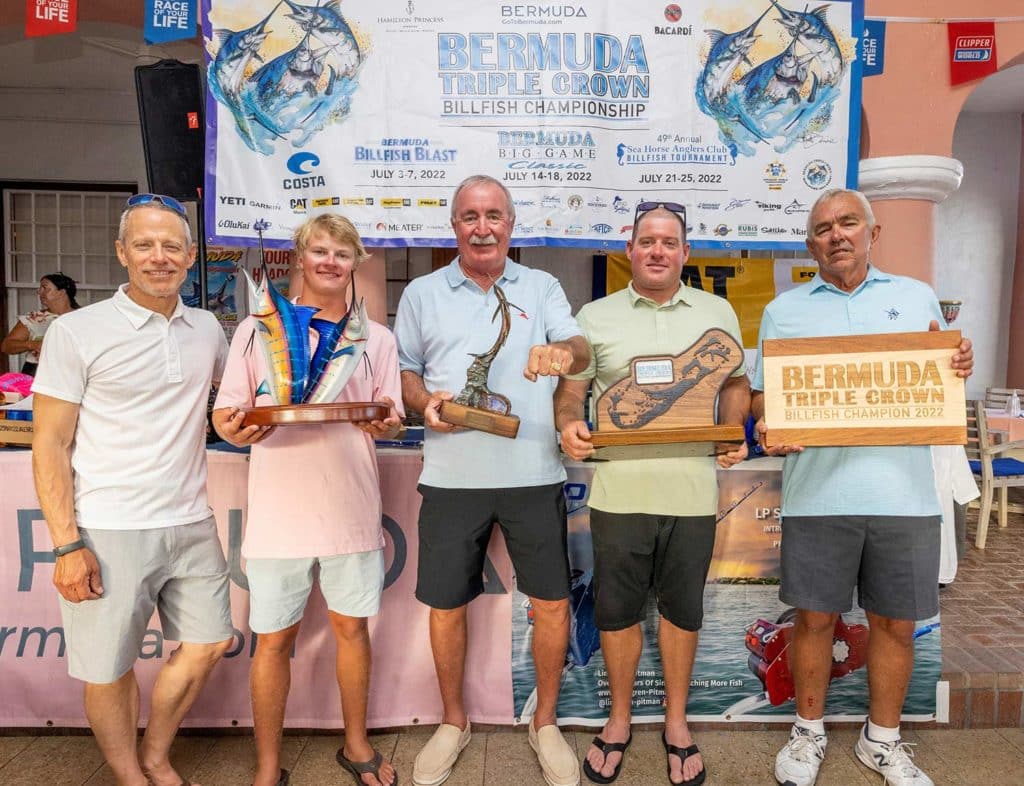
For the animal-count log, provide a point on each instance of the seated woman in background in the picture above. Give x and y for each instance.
(56, 296)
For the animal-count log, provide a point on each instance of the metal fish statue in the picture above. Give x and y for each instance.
(334, 367)
(812, 31)
(476, 393)
(282, 329)
(728, 50)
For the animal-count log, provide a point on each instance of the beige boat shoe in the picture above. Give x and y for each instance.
(434, 763)
(557, 760)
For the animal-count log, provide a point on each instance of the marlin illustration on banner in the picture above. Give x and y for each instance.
(301, 90)
(283, 334)
(782, 100)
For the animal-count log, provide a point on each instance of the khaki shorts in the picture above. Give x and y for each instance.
(178, 571)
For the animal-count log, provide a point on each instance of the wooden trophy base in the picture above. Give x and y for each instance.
(480, 419)
(298, 414)
(661, 443)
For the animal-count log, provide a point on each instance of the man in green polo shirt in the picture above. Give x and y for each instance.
(652, 520)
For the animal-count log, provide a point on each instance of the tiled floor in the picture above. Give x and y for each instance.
(504, 758)
(983, 659)
(983, 629)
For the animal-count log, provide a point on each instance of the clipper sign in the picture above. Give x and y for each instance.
(582, 109)
(972, 51)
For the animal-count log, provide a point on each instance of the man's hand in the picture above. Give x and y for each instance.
(548, 360)
(729, 453)
(963, 360)
(779, 450)
(432, 412)
(387, 428)
(229, 421)
(576, 440)
(77, 576)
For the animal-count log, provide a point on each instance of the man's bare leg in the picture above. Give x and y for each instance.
(678, 648)
(113, 712)
(621, 650)
(270, 678)
(550, 641)
(176, 688)
(810, 659)
(890, 663)
(448, 644)
(353, 660)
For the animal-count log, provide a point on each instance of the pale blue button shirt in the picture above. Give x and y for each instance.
(443, 319)
(892, 481)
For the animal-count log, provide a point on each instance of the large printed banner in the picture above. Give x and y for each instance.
(741, 672)
(732, 679)
(743, 110)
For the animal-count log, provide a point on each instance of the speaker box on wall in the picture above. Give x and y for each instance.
(173, 132)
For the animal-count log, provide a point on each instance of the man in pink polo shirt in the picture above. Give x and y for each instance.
(314, 499)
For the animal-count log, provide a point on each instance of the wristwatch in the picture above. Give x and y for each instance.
(67, 548)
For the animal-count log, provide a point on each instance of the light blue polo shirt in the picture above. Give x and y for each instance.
(868, 481)
(443, 319)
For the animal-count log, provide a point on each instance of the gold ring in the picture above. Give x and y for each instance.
(556, 366)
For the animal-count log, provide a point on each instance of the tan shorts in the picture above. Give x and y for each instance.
(178, 571)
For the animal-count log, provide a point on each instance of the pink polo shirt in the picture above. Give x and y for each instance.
(313, 489)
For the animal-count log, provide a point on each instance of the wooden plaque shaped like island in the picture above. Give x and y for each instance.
(667, 402)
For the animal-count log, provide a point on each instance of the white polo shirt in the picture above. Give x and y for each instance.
(142, 383)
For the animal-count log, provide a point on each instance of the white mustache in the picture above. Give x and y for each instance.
(490, 240)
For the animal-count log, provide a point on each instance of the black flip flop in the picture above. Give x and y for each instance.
(683, 754)
(359, 768)
(606, 748)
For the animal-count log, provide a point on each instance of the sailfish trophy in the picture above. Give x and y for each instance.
(304, 386)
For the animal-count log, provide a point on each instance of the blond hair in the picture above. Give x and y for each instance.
(337, 227)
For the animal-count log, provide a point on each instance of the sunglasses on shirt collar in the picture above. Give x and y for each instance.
(141, 200)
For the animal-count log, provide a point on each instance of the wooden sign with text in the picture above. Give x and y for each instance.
(881, 389)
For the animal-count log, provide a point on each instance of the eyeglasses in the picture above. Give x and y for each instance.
(672, 207)
(140, 200)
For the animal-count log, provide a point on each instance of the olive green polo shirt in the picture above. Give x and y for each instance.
(620, 327)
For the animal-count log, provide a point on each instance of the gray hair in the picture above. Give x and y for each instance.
(122, 225)
(832, 193)
(477, 180)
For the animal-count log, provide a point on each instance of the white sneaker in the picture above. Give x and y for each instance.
(894, 760)
(797, 764)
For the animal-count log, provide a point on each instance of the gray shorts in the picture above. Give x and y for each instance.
(279, 588)
(178, 571)
(892, 561)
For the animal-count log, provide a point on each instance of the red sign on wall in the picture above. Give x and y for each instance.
(972, 51)
(49, 17)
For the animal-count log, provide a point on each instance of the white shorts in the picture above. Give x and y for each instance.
(279, 588)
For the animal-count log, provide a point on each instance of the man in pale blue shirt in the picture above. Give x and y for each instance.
(863, 517)
(472, 480)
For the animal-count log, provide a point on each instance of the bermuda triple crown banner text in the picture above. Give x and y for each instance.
(742, 110)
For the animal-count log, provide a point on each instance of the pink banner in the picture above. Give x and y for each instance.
(36, 691)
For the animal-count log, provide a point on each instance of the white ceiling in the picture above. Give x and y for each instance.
(1002, 92)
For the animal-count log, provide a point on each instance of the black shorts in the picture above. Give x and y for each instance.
(892, 561)
(455, 528)
(635, 552)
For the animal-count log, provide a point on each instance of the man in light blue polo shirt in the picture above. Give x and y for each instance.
(472, 480)
(863, 517)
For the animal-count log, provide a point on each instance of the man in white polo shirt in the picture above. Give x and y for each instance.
(120, 469)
